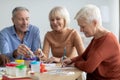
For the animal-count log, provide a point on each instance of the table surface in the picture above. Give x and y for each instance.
(58, 73)
(68, 73)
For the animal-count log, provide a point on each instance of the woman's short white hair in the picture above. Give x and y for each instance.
(89, 13)
(61, 12)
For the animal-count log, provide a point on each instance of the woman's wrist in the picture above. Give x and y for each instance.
(71, 61)
(43, 58)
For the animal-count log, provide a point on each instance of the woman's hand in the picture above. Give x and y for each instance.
(53, 59)
(67, 62)
(40, 55)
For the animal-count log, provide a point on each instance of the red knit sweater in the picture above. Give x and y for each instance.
(101, 60)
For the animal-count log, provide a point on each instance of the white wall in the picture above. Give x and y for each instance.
(40, 9)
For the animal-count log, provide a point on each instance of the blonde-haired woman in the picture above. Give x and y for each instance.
(62, 40)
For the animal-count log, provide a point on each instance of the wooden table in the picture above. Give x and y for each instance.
(63, 74)
(66, 73)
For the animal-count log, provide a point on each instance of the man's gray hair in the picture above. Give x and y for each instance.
(89, 13)
(19, 9)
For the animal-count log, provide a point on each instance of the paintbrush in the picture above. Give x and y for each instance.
(63, 57)
(64, 54)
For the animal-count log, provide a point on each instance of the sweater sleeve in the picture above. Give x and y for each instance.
(103, 50)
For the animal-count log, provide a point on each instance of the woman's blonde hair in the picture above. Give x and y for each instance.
(61, 12)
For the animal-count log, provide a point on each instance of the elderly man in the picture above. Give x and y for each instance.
(21, 38)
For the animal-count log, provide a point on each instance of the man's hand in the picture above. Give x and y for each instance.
(25, 51)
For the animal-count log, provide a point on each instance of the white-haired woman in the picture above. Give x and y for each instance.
(62, 40)
(101, 59)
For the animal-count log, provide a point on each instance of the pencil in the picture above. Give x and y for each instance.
(64, 54)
